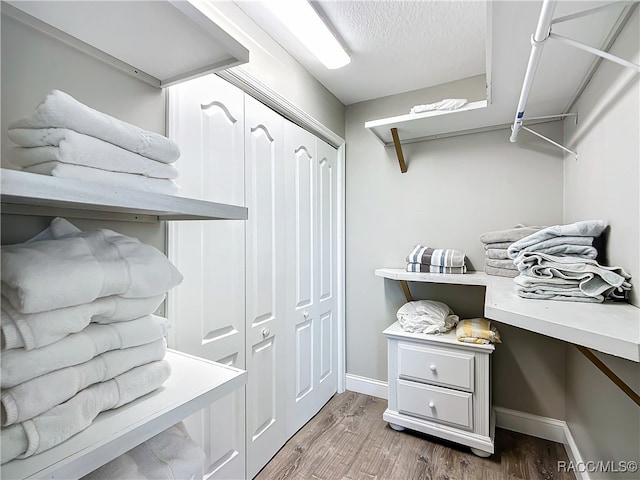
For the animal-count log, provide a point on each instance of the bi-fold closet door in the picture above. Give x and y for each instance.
(261, 294)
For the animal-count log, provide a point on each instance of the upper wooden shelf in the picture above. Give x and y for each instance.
(160, 42)
(193, 384)
(29, 193)
(612, 327)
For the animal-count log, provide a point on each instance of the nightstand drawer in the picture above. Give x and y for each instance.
(436, 365)
(435, 403)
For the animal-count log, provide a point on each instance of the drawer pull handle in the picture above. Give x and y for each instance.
(432, 404)
(432, 368)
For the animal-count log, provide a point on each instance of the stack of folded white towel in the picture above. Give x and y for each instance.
(65, 138)
(496, 243)
(559, 263)
(78, 334)
(435, 260)
(170, 455)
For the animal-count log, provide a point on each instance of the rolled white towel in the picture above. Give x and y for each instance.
(80, 268)
(35, 396)
(130, 181)
(35, 330)
(61, 110)
(63, 421)
(21, 365)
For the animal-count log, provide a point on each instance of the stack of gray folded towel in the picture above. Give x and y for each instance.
(78, 333)
(496, 243)
(435, 260)
(65, 138)
(558, 263)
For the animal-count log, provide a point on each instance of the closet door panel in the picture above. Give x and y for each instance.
(264, 285)
(326, 373)
(206, 118)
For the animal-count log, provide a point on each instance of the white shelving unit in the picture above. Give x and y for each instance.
(193, 384)
(174, 40)
(612, 328)
(29, 193)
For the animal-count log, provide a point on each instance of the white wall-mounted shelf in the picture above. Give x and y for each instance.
(612, 328)
(160, 42)
(29, 193)
(417, 127)
(193, 384)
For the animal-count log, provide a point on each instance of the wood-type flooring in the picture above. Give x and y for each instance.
(349, 440)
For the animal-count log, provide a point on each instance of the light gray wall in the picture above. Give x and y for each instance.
(455, 189)
(32, 65)
(605, 183)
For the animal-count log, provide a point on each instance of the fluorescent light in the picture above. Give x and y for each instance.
(307, 26)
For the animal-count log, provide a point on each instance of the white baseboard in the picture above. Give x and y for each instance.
(367, 386)
(516, 421)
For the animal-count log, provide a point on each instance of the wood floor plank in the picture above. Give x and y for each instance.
(349, 440)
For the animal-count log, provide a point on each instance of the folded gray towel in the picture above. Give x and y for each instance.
(588, 228)
(497, 253)
(508, 264)
(500, 272)
(497, 245)
(509, 234)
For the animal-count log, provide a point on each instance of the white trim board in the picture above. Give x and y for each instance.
(516, 421)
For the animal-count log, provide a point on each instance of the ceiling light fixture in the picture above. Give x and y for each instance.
(306, 25)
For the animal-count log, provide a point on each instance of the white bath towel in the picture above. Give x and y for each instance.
(61, 110)
(594, 279)
(72, 270)
(35, 396)
(63, 421)
(426, 316)
(59, 227)
(35, 330)
(122, 468)
(41, 145)
(170, 455)
(445, 104)
(587, 228)
(21, 365)
(125, 180)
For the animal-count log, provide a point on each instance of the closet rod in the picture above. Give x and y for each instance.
(537, 42)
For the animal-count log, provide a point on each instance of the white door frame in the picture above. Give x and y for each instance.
(261, 92)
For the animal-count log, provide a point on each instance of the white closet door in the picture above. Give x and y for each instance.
(265, 281)
(311, 330)
(207, 309)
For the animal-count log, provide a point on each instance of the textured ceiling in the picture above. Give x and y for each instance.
(395, 46)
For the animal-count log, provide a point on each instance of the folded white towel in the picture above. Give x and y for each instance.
(90, 174)
(35, 330)
(587, 228)
(59, 227)
(66, 146)
(169, 455)
(21, 365)
(61, 110)
(445, 104)
(63, 421)
(35, 396)
(123, 467)
(77, 269)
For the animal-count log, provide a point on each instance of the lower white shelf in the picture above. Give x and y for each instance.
(193, 384)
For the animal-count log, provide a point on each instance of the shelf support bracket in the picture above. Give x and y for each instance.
(609, 373)
(399, 154)
(405, 290)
